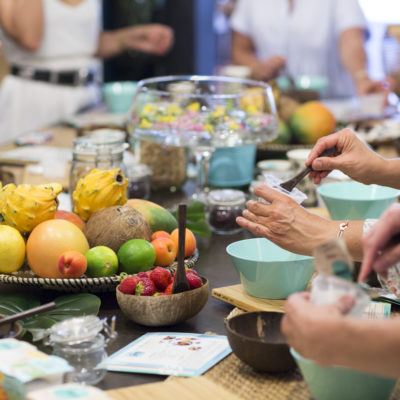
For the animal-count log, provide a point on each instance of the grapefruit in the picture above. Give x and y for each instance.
(48, 241)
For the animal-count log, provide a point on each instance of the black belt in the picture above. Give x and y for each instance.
(80, 77)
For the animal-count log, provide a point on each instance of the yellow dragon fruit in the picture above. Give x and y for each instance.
(99, 189)
(25, 206)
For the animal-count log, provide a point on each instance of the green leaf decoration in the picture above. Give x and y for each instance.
(196, 219)
(67, 306)
(11, 304)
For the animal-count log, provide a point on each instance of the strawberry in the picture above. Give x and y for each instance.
(193, 279)
(161, 278)
(168, 289)
(160, 294)
(128, 285)
(145, 287)
(143, 275)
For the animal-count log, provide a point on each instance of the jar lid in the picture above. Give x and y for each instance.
(228, 197)
(135, 171)
(101, 141)
(75, 330)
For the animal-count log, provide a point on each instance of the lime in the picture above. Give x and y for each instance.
(12, 249)
(136, 255)
(101, 261)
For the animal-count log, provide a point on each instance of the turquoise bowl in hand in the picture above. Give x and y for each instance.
(333, 383)
(268, 271)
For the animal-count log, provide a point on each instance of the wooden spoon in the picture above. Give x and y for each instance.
(28, 313)
(181, 283)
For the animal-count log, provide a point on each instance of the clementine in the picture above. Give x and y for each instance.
(190, 241)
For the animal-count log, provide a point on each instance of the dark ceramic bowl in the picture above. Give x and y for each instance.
(11, 330)
(256, 339)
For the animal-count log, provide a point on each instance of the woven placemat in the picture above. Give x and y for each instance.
(248, 384)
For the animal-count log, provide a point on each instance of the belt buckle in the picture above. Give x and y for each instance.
(26, 72)
(53, 77)
(81, 77)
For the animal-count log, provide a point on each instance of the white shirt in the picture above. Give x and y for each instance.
(307, 36)
(69, 42)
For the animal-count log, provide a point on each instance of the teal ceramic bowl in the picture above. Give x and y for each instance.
(268, 271)
(354, 201)
(333, 383)
(118, 96)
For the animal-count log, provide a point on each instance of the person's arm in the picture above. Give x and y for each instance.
(243, 53)
(381, 244)
(324, 334)
(354, 59)
(292, 227)
(150, 38)
(356, 160)
(22, 20)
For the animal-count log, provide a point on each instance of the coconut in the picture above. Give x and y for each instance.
(113, 226)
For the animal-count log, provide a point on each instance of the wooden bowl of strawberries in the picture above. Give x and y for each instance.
(145, 298)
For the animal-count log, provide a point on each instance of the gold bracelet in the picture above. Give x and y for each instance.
(342, 227)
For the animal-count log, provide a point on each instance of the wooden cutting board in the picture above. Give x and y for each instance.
(199, 388)
(237, 296)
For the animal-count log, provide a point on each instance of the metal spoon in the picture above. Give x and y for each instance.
(181, 283)
(28, 313)
(290, 184)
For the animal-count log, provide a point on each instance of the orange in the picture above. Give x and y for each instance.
(190, 241)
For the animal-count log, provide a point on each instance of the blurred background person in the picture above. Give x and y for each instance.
(305, 37)
(53, 49)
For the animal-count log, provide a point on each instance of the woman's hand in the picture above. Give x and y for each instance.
(356, 159)
(151, 38)
(381, 244)
(264, 70)
(310, 328)
(286, 223)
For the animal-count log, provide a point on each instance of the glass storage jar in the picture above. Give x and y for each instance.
(80, 342)
(139, 181)
(102, 149)
(224, 205)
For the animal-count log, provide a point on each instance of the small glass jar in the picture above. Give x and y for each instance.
(102, 149)
(80, 342)
(224, 205)
(139, 185)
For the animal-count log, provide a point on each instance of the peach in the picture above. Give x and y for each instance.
(165, 251)
(159, 234)
(72, 264)
(71, 217)
(190, 241)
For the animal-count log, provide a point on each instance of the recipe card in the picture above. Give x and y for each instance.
(170, 353)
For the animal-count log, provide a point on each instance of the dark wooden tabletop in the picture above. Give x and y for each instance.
(214, 263)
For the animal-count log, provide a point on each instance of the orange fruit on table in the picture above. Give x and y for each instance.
(166, 251)
(48, 241)
(190, 241)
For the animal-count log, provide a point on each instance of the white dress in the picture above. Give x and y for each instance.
(69, 42)
(307, 37)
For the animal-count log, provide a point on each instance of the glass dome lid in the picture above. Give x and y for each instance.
(196, 110)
